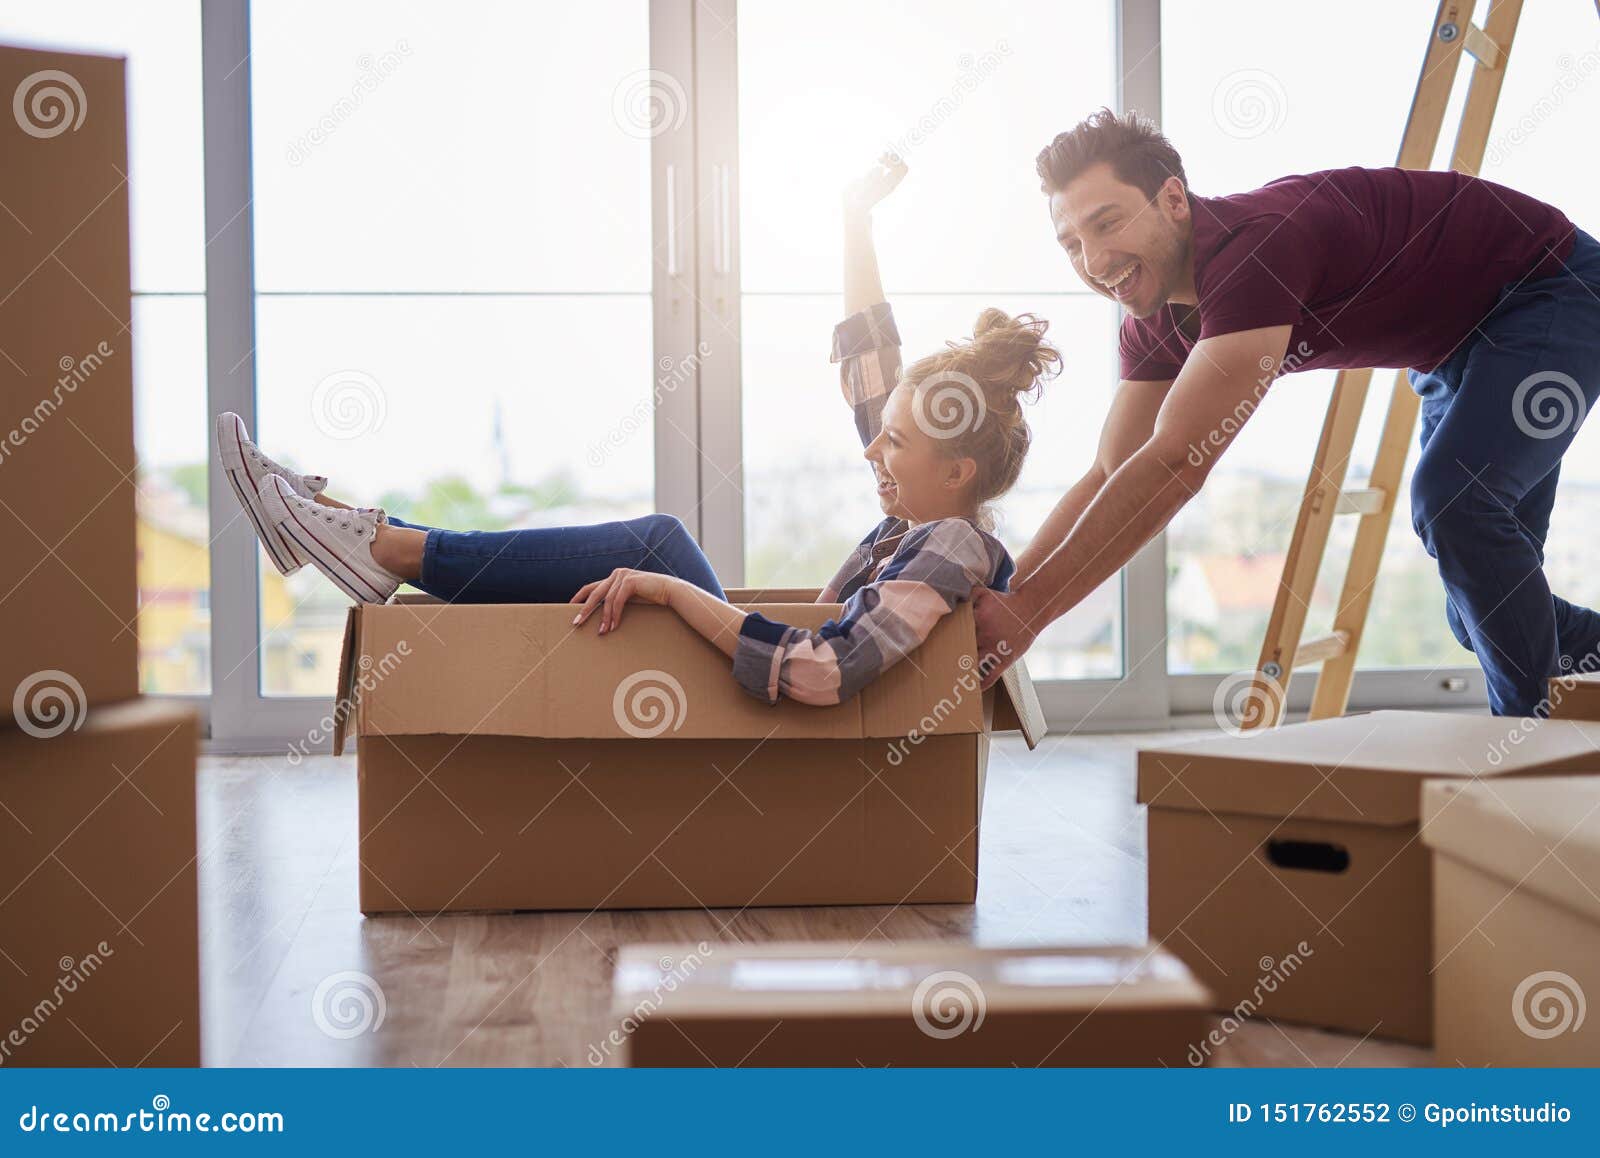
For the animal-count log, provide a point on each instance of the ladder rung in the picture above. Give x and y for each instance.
(1483, 47)
(1321, 649)
(1361, 501)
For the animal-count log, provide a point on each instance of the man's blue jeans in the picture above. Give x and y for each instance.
(1496, 420)
(550, 564)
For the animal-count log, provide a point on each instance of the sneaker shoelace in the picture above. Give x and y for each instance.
(367, 517)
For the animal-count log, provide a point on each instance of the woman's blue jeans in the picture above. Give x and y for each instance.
(550, 564)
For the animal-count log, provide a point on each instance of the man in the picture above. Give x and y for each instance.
(1490, 297)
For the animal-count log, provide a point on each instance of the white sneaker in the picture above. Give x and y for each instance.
(246, 469)
(336, 541)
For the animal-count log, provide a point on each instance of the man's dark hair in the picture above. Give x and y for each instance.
(1134, 148)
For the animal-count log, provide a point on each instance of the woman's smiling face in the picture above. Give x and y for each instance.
(918, 479)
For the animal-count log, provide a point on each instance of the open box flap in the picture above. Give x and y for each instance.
(345, 705)
(524, 670)
(1016, 705)
(1363, 769)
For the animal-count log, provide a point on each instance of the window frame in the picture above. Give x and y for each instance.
(698, 437)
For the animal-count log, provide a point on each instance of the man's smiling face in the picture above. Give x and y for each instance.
(1124, 245)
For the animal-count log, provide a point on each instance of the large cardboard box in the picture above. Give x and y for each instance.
(507, 760)
(67, 572)
(99, 945)
(1575, 697)
(911, 1004)
(1285, 866)
(1516, 921)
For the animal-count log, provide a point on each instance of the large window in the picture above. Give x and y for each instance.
(453, 273)
(1250, 95)
(500, 263)
(968, 94)
(165, 190)
(1256, 106)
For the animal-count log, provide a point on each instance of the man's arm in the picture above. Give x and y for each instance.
(1216, 392)
(1128, 426)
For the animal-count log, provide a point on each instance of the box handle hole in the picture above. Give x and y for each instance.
(1316, 856)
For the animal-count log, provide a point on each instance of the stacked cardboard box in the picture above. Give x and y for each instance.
(1285, 865)
(97, 891)
(1516, 933)
(1575, 697)
(508, 760)
(909, 1004)
(99, 949)
(67, 575)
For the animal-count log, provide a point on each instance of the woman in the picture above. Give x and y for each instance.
(945, 438)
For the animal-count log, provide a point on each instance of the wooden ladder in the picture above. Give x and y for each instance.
(1326, 496)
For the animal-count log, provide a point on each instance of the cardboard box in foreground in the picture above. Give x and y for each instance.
(910, 1004)
(67, 570)
(98, 922)
(1516, 911)
(1285, 866)
(507, 760)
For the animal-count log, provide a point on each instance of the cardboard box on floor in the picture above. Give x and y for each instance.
(1575, 697)
(1285, 866)
(507, 760)
(1516, 920)
(67, 573)
(908, 1004)
(98, 921)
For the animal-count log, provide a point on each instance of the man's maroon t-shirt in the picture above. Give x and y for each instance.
(1372, 267)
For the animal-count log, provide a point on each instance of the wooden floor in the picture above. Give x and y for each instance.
(1063, 863)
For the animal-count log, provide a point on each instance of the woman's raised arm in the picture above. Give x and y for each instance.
(866, 344)
(863, 288)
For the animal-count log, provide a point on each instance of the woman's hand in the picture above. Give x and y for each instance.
(612, 593)
(875, 184)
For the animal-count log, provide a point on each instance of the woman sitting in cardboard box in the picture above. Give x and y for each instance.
(949, 441)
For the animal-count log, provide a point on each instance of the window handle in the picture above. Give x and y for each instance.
(721, 224)
(672, 221)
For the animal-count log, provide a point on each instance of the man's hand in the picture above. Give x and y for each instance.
(1005, 630)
